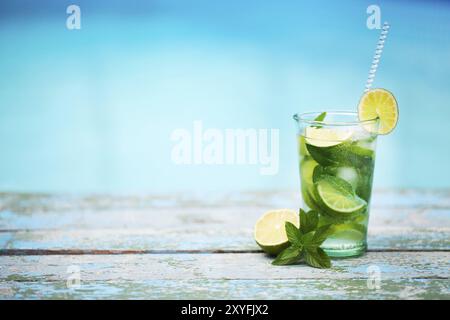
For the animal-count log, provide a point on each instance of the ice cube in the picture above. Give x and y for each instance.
(349, 174)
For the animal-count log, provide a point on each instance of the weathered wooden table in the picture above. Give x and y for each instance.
(201, 247)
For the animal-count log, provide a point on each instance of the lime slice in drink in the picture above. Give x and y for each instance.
(270, 233)
(307, 167)
(326, 137)
(309, 198)
(378, 103)
(337, 196)
(302, 146)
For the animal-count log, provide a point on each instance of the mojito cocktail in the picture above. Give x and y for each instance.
(337, 157)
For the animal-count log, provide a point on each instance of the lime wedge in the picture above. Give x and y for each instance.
(378, 103)
(326, 137)
(338, 197)
(270, 233)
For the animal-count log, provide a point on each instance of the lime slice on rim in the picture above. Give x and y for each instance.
(326, 137)
(338, 197)
(270, 233)
(378, 103)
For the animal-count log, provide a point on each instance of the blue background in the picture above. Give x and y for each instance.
(92, 110)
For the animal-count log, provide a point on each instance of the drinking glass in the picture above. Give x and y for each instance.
(336, 162)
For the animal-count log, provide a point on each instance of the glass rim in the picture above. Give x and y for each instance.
(301, 117)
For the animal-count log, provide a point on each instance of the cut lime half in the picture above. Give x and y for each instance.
(270, 233)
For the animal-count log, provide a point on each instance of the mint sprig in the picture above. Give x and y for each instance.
(305, 242)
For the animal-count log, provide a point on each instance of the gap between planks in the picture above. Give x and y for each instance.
(45, 252)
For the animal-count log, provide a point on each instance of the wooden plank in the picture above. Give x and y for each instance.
(179, 217)
(247, 275)
(203, 238)
(198, 228)
(411, 198)
(19, 212)
(393, 265)
(382, 198)
(355, 289)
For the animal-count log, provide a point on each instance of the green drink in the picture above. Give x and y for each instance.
(337, 157)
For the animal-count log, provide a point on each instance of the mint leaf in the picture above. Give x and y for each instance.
(320, 117)
(289, 255)
(292, 233)
(341, 185)
(317, 258)
(308, 221)
(322, 233)
(307, 239)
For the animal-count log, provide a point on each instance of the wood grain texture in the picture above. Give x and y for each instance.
(201, 246)
(250, 266)
(355, 289)
(203, 238)
(240, 276)
(182, 223)
(382, 198)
